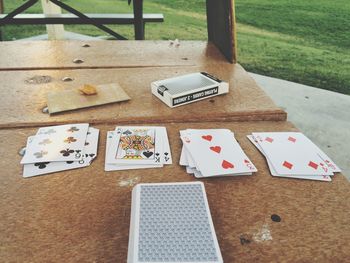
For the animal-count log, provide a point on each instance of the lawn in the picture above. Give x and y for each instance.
(301, 41)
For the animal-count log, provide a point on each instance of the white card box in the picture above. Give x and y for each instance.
(171, 222)
(188, 88)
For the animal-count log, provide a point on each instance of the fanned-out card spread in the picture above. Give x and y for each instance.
(188, 88)
(60, 148)
(293, 155)
(171, 222)
(59, 101)
(212, 153)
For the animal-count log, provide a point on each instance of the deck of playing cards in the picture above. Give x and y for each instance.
(188, 88)
(60, 148)
(137, 147)
(293, 155)
(171, 222)
(214, 152)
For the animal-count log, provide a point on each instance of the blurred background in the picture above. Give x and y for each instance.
(302, 41)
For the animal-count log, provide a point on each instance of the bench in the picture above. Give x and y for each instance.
(76, 17)
(88, 19)
(108, 19)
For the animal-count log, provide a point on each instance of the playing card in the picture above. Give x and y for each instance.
(326, 178)
(194, 171)
(90, 153)
(189, 158)
(330, 164)
(216, 152)
(57, 143)
(183, 158)
(120, 167)
(171, 222)
(186, 159)
(301, 139)
(161, 132)
(288, 154)
(184, 162)
(190, 168)
(167, 156)
(136, 145)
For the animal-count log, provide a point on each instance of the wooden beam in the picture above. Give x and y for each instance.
(1, 6)
(1, 11)
(139, 25)
(54, 32)
(221, 24)
(42, 19)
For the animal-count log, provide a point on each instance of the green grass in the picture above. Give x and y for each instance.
(302, 41)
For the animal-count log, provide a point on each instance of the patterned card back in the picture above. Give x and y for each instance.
(173, 224)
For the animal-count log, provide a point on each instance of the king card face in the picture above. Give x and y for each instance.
(161, 135)
(111, 136)
(136, 145)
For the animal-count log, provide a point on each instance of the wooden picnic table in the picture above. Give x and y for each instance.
(83, 215)
(134, 67)
(106, 54)
(138, 19)
(23, 101)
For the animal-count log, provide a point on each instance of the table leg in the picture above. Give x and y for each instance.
(1, 12)
(138, 18)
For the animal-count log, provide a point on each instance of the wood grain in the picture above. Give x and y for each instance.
(83, 215)
(22, 101)
(105, 54)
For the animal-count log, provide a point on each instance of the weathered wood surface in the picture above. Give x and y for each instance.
(18, 55)
(22, 100)
(83, 215)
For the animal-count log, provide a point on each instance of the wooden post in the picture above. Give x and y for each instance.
(221, 25)
(54, 32)
(1, 12)
(139, 26)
